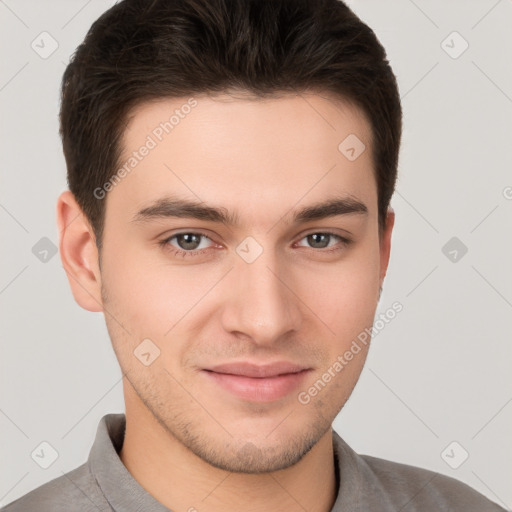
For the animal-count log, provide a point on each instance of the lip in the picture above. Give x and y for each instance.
(246, 369)
(258, 383)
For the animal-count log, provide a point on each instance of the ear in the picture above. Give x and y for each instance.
(385, 243)
(78, 253)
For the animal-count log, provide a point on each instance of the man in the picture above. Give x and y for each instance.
(231, 165)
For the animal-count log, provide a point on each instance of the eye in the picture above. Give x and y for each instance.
(322, 240)
(186, 244)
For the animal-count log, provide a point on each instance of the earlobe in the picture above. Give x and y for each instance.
(78, 253)
(385, 244)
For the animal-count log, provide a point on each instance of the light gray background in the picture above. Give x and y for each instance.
(438, 373)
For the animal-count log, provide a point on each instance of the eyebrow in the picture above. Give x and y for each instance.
(182, 208)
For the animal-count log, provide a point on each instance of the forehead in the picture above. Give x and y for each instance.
(256, 156)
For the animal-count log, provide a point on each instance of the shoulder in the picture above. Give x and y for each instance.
(76, 490)
(417, 489)
(371, 483)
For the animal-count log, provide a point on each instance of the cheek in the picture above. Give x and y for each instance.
(343, 295)
(145, 291)
(157, 300)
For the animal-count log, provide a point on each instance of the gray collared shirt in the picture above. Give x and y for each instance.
(103, 484)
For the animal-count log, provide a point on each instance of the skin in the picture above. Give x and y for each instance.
(189, 442)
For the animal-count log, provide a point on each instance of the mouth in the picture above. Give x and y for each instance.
(257, 383)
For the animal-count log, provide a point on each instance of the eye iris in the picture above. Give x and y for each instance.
(315, 239)
(189, 241)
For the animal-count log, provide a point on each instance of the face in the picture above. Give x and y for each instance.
(228, 292)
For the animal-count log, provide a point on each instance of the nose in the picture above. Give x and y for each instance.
(261, 301)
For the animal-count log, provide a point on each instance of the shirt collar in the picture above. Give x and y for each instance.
(349, 477)
(119, 487)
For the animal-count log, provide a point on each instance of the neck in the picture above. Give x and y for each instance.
(180, 480)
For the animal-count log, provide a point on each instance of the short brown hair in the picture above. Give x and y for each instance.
(140, 50)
